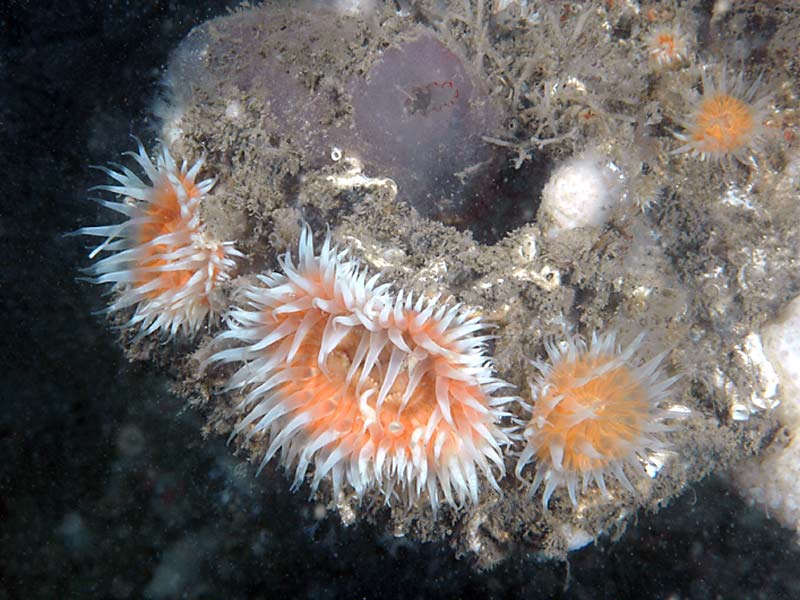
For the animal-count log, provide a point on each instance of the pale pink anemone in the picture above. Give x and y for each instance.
(161, 260)
(370, 390)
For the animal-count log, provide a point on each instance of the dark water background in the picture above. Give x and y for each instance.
(107, 489)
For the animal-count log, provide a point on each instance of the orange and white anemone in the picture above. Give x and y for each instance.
(594, 413)
(667, 47)
(727, 121)
(160, 260)
(373, 391)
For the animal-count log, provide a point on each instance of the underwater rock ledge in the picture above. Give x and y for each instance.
(422, 142)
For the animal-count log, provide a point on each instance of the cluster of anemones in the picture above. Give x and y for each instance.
(381, 392)
(727, 120)
(372, 390)
(376, 391)
(161, 261)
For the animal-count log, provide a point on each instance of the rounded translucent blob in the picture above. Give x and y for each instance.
(420, 116)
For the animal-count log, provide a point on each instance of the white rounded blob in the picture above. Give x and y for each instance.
(234, 110)
(580, 193)
(781, 341)
(773, 481)
(575, 537)
(361, 8)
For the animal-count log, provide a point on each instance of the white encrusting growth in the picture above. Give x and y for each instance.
(376, 392)
(161, 260)
(773, 480)
(582, 192)
(594, 413)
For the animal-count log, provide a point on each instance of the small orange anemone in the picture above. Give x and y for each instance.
(667, 47)
(728, 120)
(593, 413)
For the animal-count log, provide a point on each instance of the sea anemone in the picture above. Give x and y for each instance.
(728, 120)
(373, 391)
(594, 411)
(161, 261)
(667, 47)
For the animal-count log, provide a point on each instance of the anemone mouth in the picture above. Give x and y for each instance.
(161, 261)
(594, 414)
(371, 391)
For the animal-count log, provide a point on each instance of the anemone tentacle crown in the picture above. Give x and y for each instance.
(376, 391)
(161, 262)
(594, 412)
